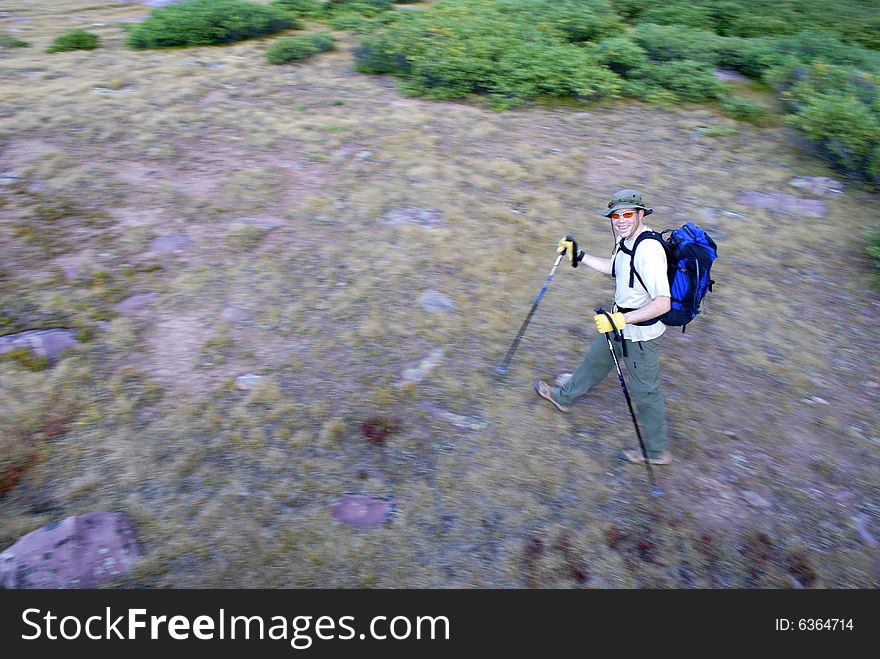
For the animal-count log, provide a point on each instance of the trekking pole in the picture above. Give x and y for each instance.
(655, 490)
(502, 370)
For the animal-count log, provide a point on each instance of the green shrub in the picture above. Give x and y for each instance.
(301, 8)
(367, 8)
(576, 20)
(854, 21)
(689, 80)
(838, 108)
(621, 55)
(808, 45)
(74, 40)
(299, 48)
(743, 109)
(753, 57)
(8, 40)
(513, 51)
(677, 42)
(207, 22)
(528, 71)
(352, 22)
(751, 24)
(846, 130)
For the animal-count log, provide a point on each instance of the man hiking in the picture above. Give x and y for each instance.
(636, 312)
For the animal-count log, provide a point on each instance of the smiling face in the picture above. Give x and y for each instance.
(628, 222)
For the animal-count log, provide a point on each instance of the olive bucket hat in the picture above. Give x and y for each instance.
(626, 199)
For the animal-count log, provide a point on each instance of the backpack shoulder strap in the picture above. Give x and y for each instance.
(619, 247)
(633, 273)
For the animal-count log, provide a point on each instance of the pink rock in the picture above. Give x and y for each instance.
(169, 244)
(79, 552)
(361, 511)
(136, 302)
(726, 75)
(43, 343)
(786, 203)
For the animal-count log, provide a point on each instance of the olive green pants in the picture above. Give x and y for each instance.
(642, 381)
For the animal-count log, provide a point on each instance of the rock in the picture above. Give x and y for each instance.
(756, 500)
(362, 512)
(48, 343)
(8, 178)
(169, 244)
(420, 371)
(458, 420)
(264, 223)
(726, 75)
(247, 381)
(426, 217)
(70, 271)
(78, 552)
(235, 314)
(784, 203)
(562, 379)
(818, 185)
(136, 302)
(433, 301)
(364, 155)
(860, 522)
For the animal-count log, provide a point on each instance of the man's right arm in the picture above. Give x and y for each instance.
(596, 263)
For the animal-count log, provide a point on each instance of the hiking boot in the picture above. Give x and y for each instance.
(631, 455)
(543, 390)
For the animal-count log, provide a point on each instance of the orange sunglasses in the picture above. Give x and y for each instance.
(625, 215)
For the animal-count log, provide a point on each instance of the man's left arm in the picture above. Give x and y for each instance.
(656, 307)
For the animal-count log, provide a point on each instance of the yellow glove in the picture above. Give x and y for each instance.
(604, 326)
(569, 246)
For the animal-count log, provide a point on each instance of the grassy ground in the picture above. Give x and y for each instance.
(282, 178)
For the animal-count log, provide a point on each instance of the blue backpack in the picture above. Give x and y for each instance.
(690, 253)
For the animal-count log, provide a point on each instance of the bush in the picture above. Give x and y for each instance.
(846, 130)
(689, 80)
(577, 21)
(838, 108)
(743, 109)
(753, 57)
(809, 45)
(514, 51)
(8, 40)
(367, 8)
(299, 48)
(74, 40)
(207, 22)
(528, 71)
(679, 13)
(621, 55)
(301, 8)
(668, 43)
